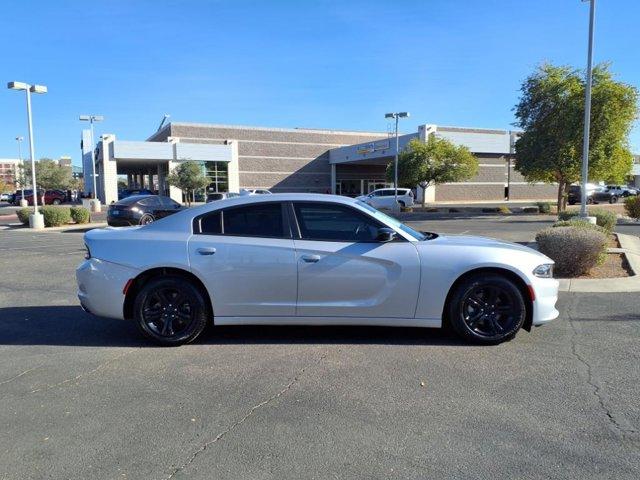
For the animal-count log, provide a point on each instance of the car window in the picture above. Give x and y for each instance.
(255, 220)
(210, 224)
(332, 222)
(150, 202)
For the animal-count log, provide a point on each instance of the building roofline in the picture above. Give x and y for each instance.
(448, 128)
(269, 129)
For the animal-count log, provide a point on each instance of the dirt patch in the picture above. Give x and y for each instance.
(613, 241)
(615, 266)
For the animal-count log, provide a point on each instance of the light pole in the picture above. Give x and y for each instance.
(587, 113)
(396, 116)
(35, 220)
(19, 139)
(91, 119)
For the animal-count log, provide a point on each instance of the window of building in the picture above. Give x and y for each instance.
(218, 174)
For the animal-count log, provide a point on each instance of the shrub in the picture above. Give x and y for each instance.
(80, 215)
(544, 207)
(23, 215)
(578, 223)
(504, 210)
(56, 216)
(632, 207)
(576, 250)
(604, 218)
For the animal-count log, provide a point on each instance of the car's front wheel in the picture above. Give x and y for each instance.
(487, 308)
(170, 310)
(613, 199)
(55, 201)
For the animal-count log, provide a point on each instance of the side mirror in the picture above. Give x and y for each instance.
(385, 234)
(370, 195)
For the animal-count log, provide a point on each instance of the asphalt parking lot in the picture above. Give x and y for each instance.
(84, 397)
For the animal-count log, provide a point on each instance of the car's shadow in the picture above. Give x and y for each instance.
(70, 326)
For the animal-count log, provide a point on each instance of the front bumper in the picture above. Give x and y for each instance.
(100, 286)
(544, 305)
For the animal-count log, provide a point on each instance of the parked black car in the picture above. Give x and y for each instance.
(594, 195)
(140, 210)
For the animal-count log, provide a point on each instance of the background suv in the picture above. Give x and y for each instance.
(595, 194)
(384, 198)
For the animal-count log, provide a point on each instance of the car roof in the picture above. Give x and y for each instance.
(133, 199)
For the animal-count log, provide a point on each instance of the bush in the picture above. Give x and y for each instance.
(632, 207)
(80, 215)
(604, 218)
(576, 250)
(23, 215)
(544, 207)
(578, 223)
(504, 210)
(56, 216)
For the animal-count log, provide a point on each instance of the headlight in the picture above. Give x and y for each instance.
(544, 271)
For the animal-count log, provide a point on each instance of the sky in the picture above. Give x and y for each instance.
(335, 64)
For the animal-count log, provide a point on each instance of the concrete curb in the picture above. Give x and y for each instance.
(630, 246)
(66, 228)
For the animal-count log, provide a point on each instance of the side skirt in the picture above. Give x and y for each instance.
(368, 321)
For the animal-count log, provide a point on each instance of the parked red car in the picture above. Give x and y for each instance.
(51, 197)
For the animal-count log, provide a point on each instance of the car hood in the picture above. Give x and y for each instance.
(486, 242)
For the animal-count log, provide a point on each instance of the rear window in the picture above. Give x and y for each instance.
(255, 220)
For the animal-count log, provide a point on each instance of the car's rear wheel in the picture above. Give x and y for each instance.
(590, 201)
(170, 310)
(55, 201)
(401, 203)
(487, 308)
(613, 199)
(146, 219)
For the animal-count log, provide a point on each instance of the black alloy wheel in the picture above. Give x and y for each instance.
(487, 308)
(170, 310)
(146, 219)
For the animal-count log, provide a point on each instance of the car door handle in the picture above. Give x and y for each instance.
(311, 258)
(206, 251)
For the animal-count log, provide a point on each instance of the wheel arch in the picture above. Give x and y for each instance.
(138, 282)
(517, 279)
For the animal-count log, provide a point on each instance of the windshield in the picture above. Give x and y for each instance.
(396, 223)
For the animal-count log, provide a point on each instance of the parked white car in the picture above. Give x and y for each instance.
(622, 190)
(309, 259)
(254, 191)
(385, 198)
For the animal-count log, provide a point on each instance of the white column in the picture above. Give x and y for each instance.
(108, 172)
(174, 192)
(233, 168)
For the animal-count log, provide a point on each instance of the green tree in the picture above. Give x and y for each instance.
(188, 177)
(432, 162)
(551, 114)
(4, 187)
(51, 176)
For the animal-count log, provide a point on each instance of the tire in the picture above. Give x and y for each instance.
(56, 201)
(590, 201)
(146, 219)
(487, 291)
(163, 321)
(572, 202)
(401, 203)
(613, 199)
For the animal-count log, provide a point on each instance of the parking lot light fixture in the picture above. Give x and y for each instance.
(36, 220)
(92, 119)
(587, 113)
(396, 116)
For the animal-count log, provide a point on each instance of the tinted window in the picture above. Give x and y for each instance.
(323, 221)
(256, 220)
(215, 196)
(166, 202)
(211, 224)
(150, 202)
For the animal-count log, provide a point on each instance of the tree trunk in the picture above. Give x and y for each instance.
(424, 196)
(562, 199)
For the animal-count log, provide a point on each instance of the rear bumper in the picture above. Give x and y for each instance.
(121, 221)
(100, 285)
(544, 305)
